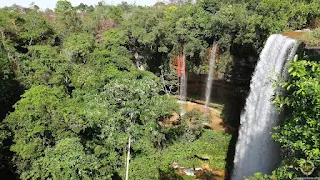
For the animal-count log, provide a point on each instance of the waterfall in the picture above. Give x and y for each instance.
(256, 151)
(183, 84)
(210, 75)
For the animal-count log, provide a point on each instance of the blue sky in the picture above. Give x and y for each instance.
(43, 4)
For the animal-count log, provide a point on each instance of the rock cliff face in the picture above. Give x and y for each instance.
(230, 69)
(242, 70)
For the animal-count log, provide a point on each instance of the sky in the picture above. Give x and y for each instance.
(43, 4)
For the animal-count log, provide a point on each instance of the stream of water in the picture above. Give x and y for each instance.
(183, 85)
(210, 75)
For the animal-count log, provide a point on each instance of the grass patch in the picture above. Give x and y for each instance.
(311, 38)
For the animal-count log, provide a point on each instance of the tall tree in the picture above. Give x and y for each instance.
(67, 20)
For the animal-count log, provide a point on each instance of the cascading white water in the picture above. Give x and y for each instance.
(210, 75)
(183, 85)
(256, 151)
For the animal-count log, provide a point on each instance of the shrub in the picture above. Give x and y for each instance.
(300, 103)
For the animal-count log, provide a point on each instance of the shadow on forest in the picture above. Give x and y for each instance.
(11, 93)
(170, 174)
(231, 115)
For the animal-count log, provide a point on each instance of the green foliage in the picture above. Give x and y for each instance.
(118, 57)
(142, 26)
(159, 32)
(84, 97)
(45, 66)
(114, 37)
(45, 116)
(35, 123)
(115, 13)
(145, 32)
(224, 65)
(193, 122)
(259, 176)
(187, 27)
(66, 160)
(36, 29)
(235, 24)
(78, 47)
(66, 20)
(156, 164)
(299, 134)
(274, 14)
(63, 7)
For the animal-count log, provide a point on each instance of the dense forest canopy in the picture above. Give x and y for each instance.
(73, 85)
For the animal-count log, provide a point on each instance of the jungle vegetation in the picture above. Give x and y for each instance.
(76, 81)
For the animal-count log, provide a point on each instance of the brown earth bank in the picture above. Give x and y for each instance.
(216, 122)
(208, 174)
(204, 172)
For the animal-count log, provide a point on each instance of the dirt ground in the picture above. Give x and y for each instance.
(217, 123)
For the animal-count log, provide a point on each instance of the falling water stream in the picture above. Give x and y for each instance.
(210, 76)
(183, 85)
(256, 151)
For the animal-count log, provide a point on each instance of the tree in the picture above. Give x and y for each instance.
(115, 37)
(146, 33)
(82, 7)
(36, 123)
(179, 2)
(36, 29)
(101, 118)
(11, 22)
(67, 20)
(44, 66)
(66, 160)
(78, 46)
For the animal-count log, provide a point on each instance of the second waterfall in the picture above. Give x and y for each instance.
(210, 75)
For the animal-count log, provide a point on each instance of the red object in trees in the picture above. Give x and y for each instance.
(179, 67)
(183, 68)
